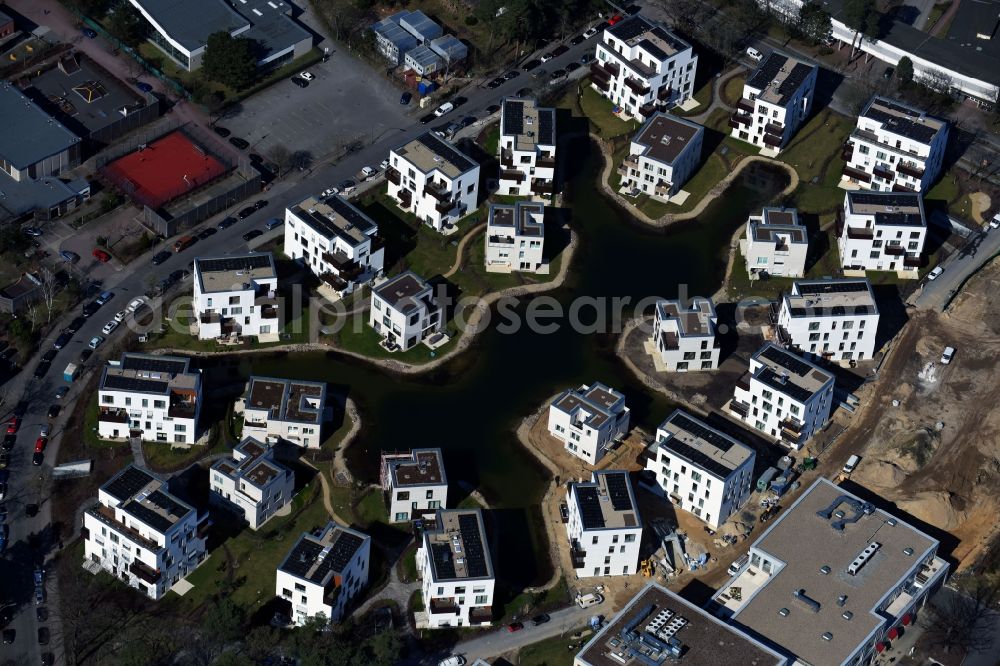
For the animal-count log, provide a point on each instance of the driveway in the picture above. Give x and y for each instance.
(563, 623)
(979, 249)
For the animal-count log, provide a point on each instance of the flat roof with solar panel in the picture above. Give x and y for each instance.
(606, 501)
(522, 218)
(458, 547)
(295, 400)
(783, 371)
(901, 209)
(779, 77)
(664, 137)
(695, 319)
(653, 38)
(145, 373)
(335, 217)
(598, 402)
(527, 124)
(128, 483)
(690, 438)
(429, 153)
(903, 120)
(830, 298)
(773, 223)
(419, 467)
(145, 497)
(251, 461)
(318, 557)
(234, 272)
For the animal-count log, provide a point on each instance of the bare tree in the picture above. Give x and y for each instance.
(33, 315)
(963, 621)
(280, 155)
(49, 289)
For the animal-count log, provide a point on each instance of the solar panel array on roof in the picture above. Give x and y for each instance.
(697, 457)
(444, 563)
(631, 28)
(513, 117)
(346, 210)
(343, 550)
(546, 126)
(302, 557)
(442, 148)
(714, 438)
(903, 126)
(153, 364)
(886, 198)
(128, 483)
(245, 262)
(137, 384)
(148, 516)
(617, 485)
(831, 287)
(787, 361)
(590, 507)
(475, 550)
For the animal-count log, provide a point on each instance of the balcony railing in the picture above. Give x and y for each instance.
(182, 410)
(144, 572)
(106, 515)
(902, 187)
(912, 261)
(437, 190)
(512, 174)
(774, 128)
(113, 416)
(772, 140)
(637, 86)
(481, 614)
(883, 172)
(545, 162)
(669, 341)
(792, 427)
(506, 158)
(848, 152)
(860, 233)
(446, 205)
(646, 110)
(393, 176)
(895, 250)
(662, 188)
(602, 84)
(739, 408)
(501, 240)
(857, 174)
(405, 197)
(907, 169)
(542, 186)
(738, 119)
(745, 105)
(446, 606)
(665, 93)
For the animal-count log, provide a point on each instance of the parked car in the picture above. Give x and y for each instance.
(101, 255)
(246, 212)
(615, 19)
(445, 108)
(511, 75)
(89, 33)
(221, 131)
(62, 340)
(539, 73)
(4, 459)
(9, 441)
(41, 614)
(308, 76)
(495, 83)
(8, 636)
(49, 355)
(546, 57)
(43, 635)
(95, 342)
(206, 232)
(540, 619)
(71, 257)
(559, 50)
(104, 297)
(405, 98)
(995, 221)
(556, 75)
(347, 186)
(579, 39)
(253, 233)
(515, 626)
(530, 65)
(75, 325)
(428, 118)
(493, 108)
(273, 223)
(61, 392)
(738, 564)
(572, 66)
(120, 315)
(851, 464)
(453, 660)
(949, 353)
(586, 58)
(242, 144)
(227, 222)
(160, 257)
(42, 369)
(135, 304)
(91, 308)
(367, 171)
(301, 83)
(34, 232)
(260, 204)
(86, 354)
(53, 411)
(13, 425)
(754, 54)
(144, 87)
(3, 493)
(383, 165)
(40, 445)
(887, 74)
(589, 32)
(935, 273)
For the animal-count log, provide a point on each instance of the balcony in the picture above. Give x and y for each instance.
(405, 197)
(860, 233)
(331, 595)
(912, 261)
(740, 409)
(883, 172)
(481, 615)
(439, 191)
(334, 281)
(745, 105)
(743, 383)
(895, 250)
(737, 120)
(907, 169)
(791, 427)
(506, 159)
(857, 174)
(144, 572)
(662, 189)
(444, 606)
(771, 140)
(446, 206)
(669, 341)
(848, 152)
(578, 556)
(665, 93)
(343, 265)
(646, 110)
(902, 187)
(637, 86)
(545, 162)
(113, 416)
(602, 84)
(393, 176)
(500, 240)
(512, 174)
(106, 515)
(600, 73)
(775, 128)
(630, 162)
(542, 187)
(182, 410)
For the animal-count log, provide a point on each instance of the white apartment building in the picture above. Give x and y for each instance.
(783, 396)
(432, 179)
(336, 241)
(251, 483)
(405, 311)
(833, 580)
(700, 469)
(604, 526)
(663, 155)
(236, 295)
(284, 409)
(515, 238)
(777, 98)
(684, 335)
(642, 67)
(141, 534)
(153, 398)
(324, 572)
(414, 483)
(776, 244)
(832, 319)
(456, 571)
(895, 148)
(527, 148)
(883, 231)
(589, 420)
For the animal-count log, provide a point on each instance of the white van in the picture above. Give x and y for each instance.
(454, 660)
(738, 565)
(852, 462)
(588, 600)
(755, 54)
(447, 107)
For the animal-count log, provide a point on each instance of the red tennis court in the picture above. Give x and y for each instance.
(164, 170)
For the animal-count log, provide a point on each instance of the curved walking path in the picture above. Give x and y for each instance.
(717, 102)
(460, 252)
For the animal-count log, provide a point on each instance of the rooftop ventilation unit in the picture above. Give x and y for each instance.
(825, 569)
(806, 600)
(783, 612)
(908, 551)
(841, 600)
(827, 636)
(847, 615)
(863, 557)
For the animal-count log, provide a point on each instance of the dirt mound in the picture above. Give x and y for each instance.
(936, 507)
(879, 474)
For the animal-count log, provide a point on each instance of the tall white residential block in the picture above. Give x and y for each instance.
(154, 398)
(589, 420)
(783, 396)
(515, 237)
(432, 179)
(291, 410)
(456, 571)
(527, 148)
(701, 469)
(684, 335)
(776, 244)
(143, 535)
(895, 148)
(405, 311)
(251, 483)
(883, 231)
(604, 527)
(832, 319)
(642, 67)
(324, 572)
(663, 155)
(236, 295)
(414, 483)
(337, 242)
(777, 99)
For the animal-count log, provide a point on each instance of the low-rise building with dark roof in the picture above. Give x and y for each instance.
(422, 27)
(783, 396)
(895, 148)
(684, 335)
(833, 319)
(451, 50)
(414, 483)
(20, 293)
(589, 420)
(405, 311)
(776, 243)
(236, 296)
(527, 148)
(456, 571)
(515, 238)
(604, 527)
(251, 483)
(33, 144)
(882, 231)
(149, 397)
(658, 627)
(292, 410)
(643, 68)
(777, 99)
(142, 534)
(422, 60)
(663, 155)
(6, 25)
(393, 40)
(324, 573)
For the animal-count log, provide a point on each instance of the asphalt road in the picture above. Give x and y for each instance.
(29, 484)
(936, 294)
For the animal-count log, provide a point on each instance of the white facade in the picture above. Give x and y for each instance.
(251, 483)
(832, 319)
(663, 155)
(684, 335)
(777, 99)
(604, 526)
(404, 311)
(414, 483)
(589, 420)
(432, 179)
(322, 575)
(895, 148)
(288, 410)
(642, 67)
(336, 241)
(776, 244)
(515, 237)
(700, 469)
(883, 231)
(783, 396)
(141, 534)
(236, 295)
(456, 571)
(154, 398)
(527, 148)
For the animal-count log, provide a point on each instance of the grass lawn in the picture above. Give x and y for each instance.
(491, 142)
(162, 457)
(733, 90)
(408, 564)
(740, 286)
(708, 176)
(815, 153)
(703, 96)
(551, 651)
(366, 342)
(599, 111)
(528, 603)
(718, 120)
